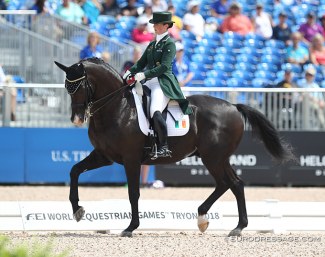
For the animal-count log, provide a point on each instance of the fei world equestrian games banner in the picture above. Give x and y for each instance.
(255, 166)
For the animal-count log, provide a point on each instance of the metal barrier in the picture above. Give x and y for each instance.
(48, 105)
(69, 36)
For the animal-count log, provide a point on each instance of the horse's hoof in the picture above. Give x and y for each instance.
(79, 214)
(235, 232)
(202, 223)
(126, 233)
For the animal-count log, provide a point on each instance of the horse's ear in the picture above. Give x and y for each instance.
(61, 66)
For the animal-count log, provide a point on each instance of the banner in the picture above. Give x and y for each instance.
(116, 215)
(255, 166)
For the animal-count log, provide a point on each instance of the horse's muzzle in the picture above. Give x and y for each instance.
(77, 120)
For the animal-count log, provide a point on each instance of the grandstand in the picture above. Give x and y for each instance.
(219, 60)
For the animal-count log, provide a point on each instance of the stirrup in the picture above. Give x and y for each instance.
(162, 152)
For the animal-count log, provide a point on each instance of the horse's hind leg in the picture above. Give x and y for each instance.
(92, 161)
(237, 187)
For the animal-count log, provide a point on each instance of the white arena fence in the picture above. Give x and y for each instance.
(48, 105)
(161, 215)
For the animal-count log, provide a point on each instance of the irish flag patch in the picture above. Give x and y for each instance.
(180, 124)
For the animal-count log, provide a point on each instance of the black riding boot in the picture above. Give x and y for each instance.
(161, 129)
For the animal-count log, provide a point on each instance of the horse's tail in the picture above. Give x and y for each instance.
(267, 133)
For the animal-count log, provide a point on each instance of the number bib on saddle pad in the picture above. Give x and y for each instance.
(178, 127)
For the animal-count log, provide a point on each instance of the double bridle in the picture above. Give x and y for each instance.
(72, 87)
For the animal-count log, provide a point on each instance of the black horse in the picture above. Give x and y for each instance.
(216, 128)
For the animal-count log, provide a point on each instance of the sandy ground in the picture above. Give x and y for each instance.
(156, 244)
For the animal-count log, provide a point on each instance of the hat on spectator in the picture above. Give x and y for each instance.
(311, 15)
(310, 70)
(179, 46)
(283, 14)
(259, 5)
(192, 3)
(235, 5)
(142, 20)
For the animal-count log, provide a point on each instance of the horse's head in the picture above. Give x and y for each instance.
(79, 89)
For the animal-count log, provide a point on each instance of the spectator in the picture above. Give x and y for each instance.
(71, 12)
(296, 53)
(140, 34)
(144, 175)
(193, 20)
(110, 7)
(40, 7)
(262, 22)
(137, 52)
(181, 66)
(316, 99)
(287, 81)
(322, 23)
(236, 21)
(147, 13)
(131, 9)
(282, 31)
(159, 5)
(178, 24)
(92, 9)
(219, 8)
(317, 50)
(13, 93)
(310, 28)
(3, 5)
(93, 47)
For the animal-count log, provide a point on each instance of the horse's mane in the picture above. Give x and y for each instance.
(107, 66)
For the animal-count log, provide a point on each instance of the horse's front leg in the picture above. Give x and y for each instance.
(92, 161)
(132, 170)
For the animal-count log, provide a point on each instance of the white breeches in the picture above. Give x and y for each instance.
(158, 100)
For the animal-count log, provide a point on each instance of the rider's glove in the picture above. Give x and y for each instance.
(139, 76)
(126, 74)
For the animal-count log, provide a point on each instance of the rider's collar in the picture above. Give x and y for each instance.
(161, 36)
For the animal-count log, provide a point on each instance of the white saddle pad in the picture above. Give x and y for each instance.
(178, 127)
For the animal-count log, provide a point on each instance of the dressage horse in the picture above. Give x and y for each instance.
(99, 94)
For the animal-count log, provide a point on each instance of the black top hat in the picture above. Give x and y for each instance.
(162, 17)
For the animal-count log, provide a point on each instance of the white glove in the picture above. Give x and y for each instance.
(139, 76)
(126, 74)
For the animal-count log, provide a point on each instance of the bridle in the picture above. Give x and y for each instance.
(73, 86)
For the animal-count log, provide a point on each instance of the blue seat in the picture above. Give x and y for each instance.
(267, 67)
(232, 43)
(216, 74)
(247, 58)
(214, 82)
(243, 75)
(187, 34)
(245, 66)
(265, 75)
(199, 75)
(225, 58)
(236, 82)
(275, 44)
(233, 35)
(271, 59)
(221, 66)
(216, 36)
(226, 50)
(260, 82)
(256, 43)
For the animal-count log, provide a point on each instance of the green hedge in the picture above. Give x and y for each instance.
(23, 251)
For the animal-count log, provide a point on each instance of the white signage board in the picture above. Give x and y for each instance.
(116, 215)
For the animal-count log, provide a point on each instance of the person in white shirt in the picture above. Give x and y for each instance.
(262, 22)
(193, 20)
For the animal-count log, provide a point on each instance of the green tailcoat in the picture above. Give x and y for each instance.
(157, 62)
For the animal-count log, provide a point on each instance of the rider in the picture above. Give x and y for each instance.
(157, 59)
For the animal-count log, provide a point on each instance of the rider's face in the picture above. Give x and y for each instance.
(160, 28)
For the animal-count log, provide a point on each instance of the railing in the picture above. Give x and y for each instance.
(48, 105)
(57, 30)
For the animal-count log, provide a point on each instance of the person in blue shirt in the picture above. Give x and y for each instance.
(93, 47)
(220, 8)
(181, 66)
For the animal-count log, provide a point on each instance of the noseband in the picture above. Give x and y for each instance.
(73, 86)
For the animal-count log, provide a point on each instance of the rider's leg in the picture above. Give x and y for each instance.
(158, 103)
